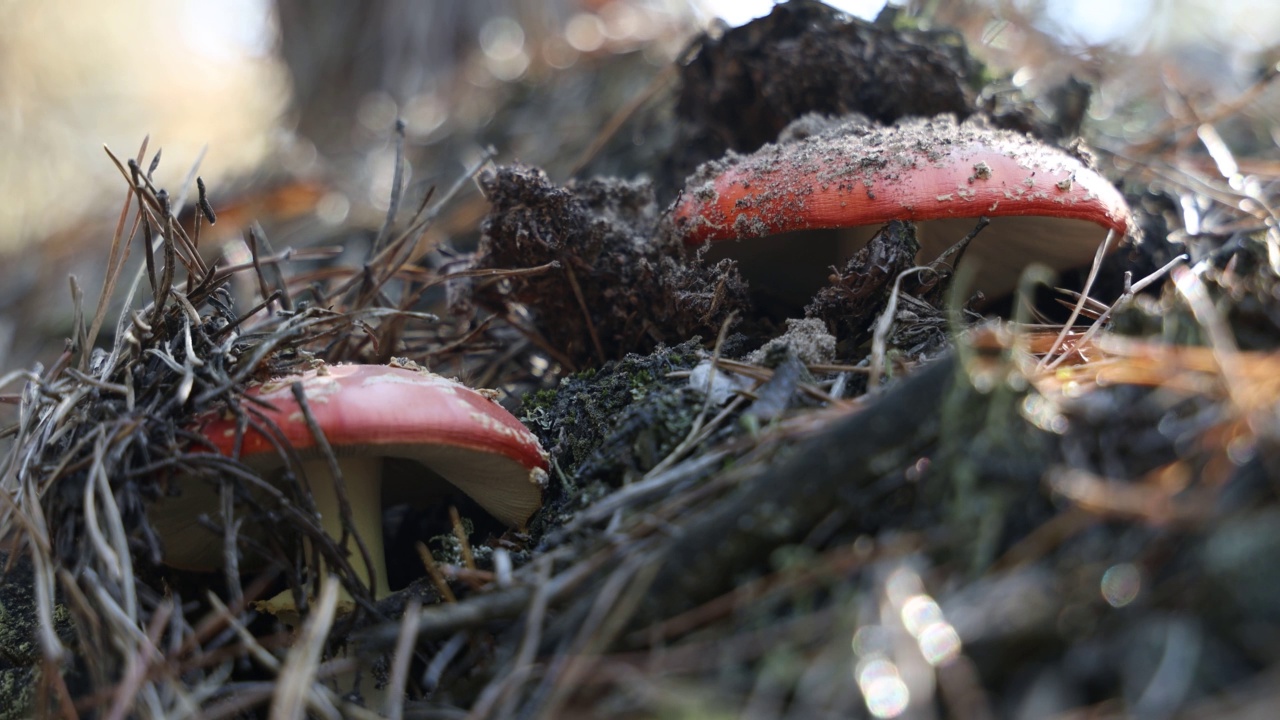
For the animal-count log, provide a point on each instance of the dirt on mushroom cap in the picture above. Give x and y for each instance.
(857, 174)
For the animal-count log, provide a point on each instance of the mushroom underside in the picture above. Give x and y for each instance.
(503, 487)
(791, 267)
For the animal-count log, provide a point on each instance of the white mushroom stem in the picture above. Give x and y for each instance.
(362, 480)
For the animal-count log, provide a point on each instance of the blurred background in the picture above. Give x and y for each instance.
(287, 108)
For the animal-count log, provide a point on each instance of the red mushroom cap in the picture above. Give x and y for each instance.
(384, 406)
(919, 171)
(383, 411)
(855, 175)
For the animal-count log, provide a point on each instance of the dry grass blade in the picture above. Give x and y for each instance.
(396, 684)
(397, 192)
(433, 570)
(884, 323)
(295, 693)
(611, 610)
(115, 265)
(1084, 297)
(350, 578)
(507, 690)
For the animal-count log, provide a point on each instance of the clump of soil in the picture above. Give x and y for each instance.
(807, 339)
(740, 91)
(599, 279)
(860, 290)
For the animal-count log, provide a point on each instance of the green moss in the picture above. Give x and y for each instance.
(19, 648)
(598, 416)
(18, 619)
(17, 693)
(446, 549)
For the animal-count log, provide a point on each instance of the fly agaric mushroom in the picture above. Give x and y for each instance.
(1050, 206)
(368, 414)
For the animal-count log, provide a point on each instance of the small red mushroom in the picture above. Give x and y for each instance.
(922, 170)
(368, 414)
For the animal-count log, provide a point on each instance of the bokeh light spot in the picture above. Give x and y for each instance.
(1121, 584)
